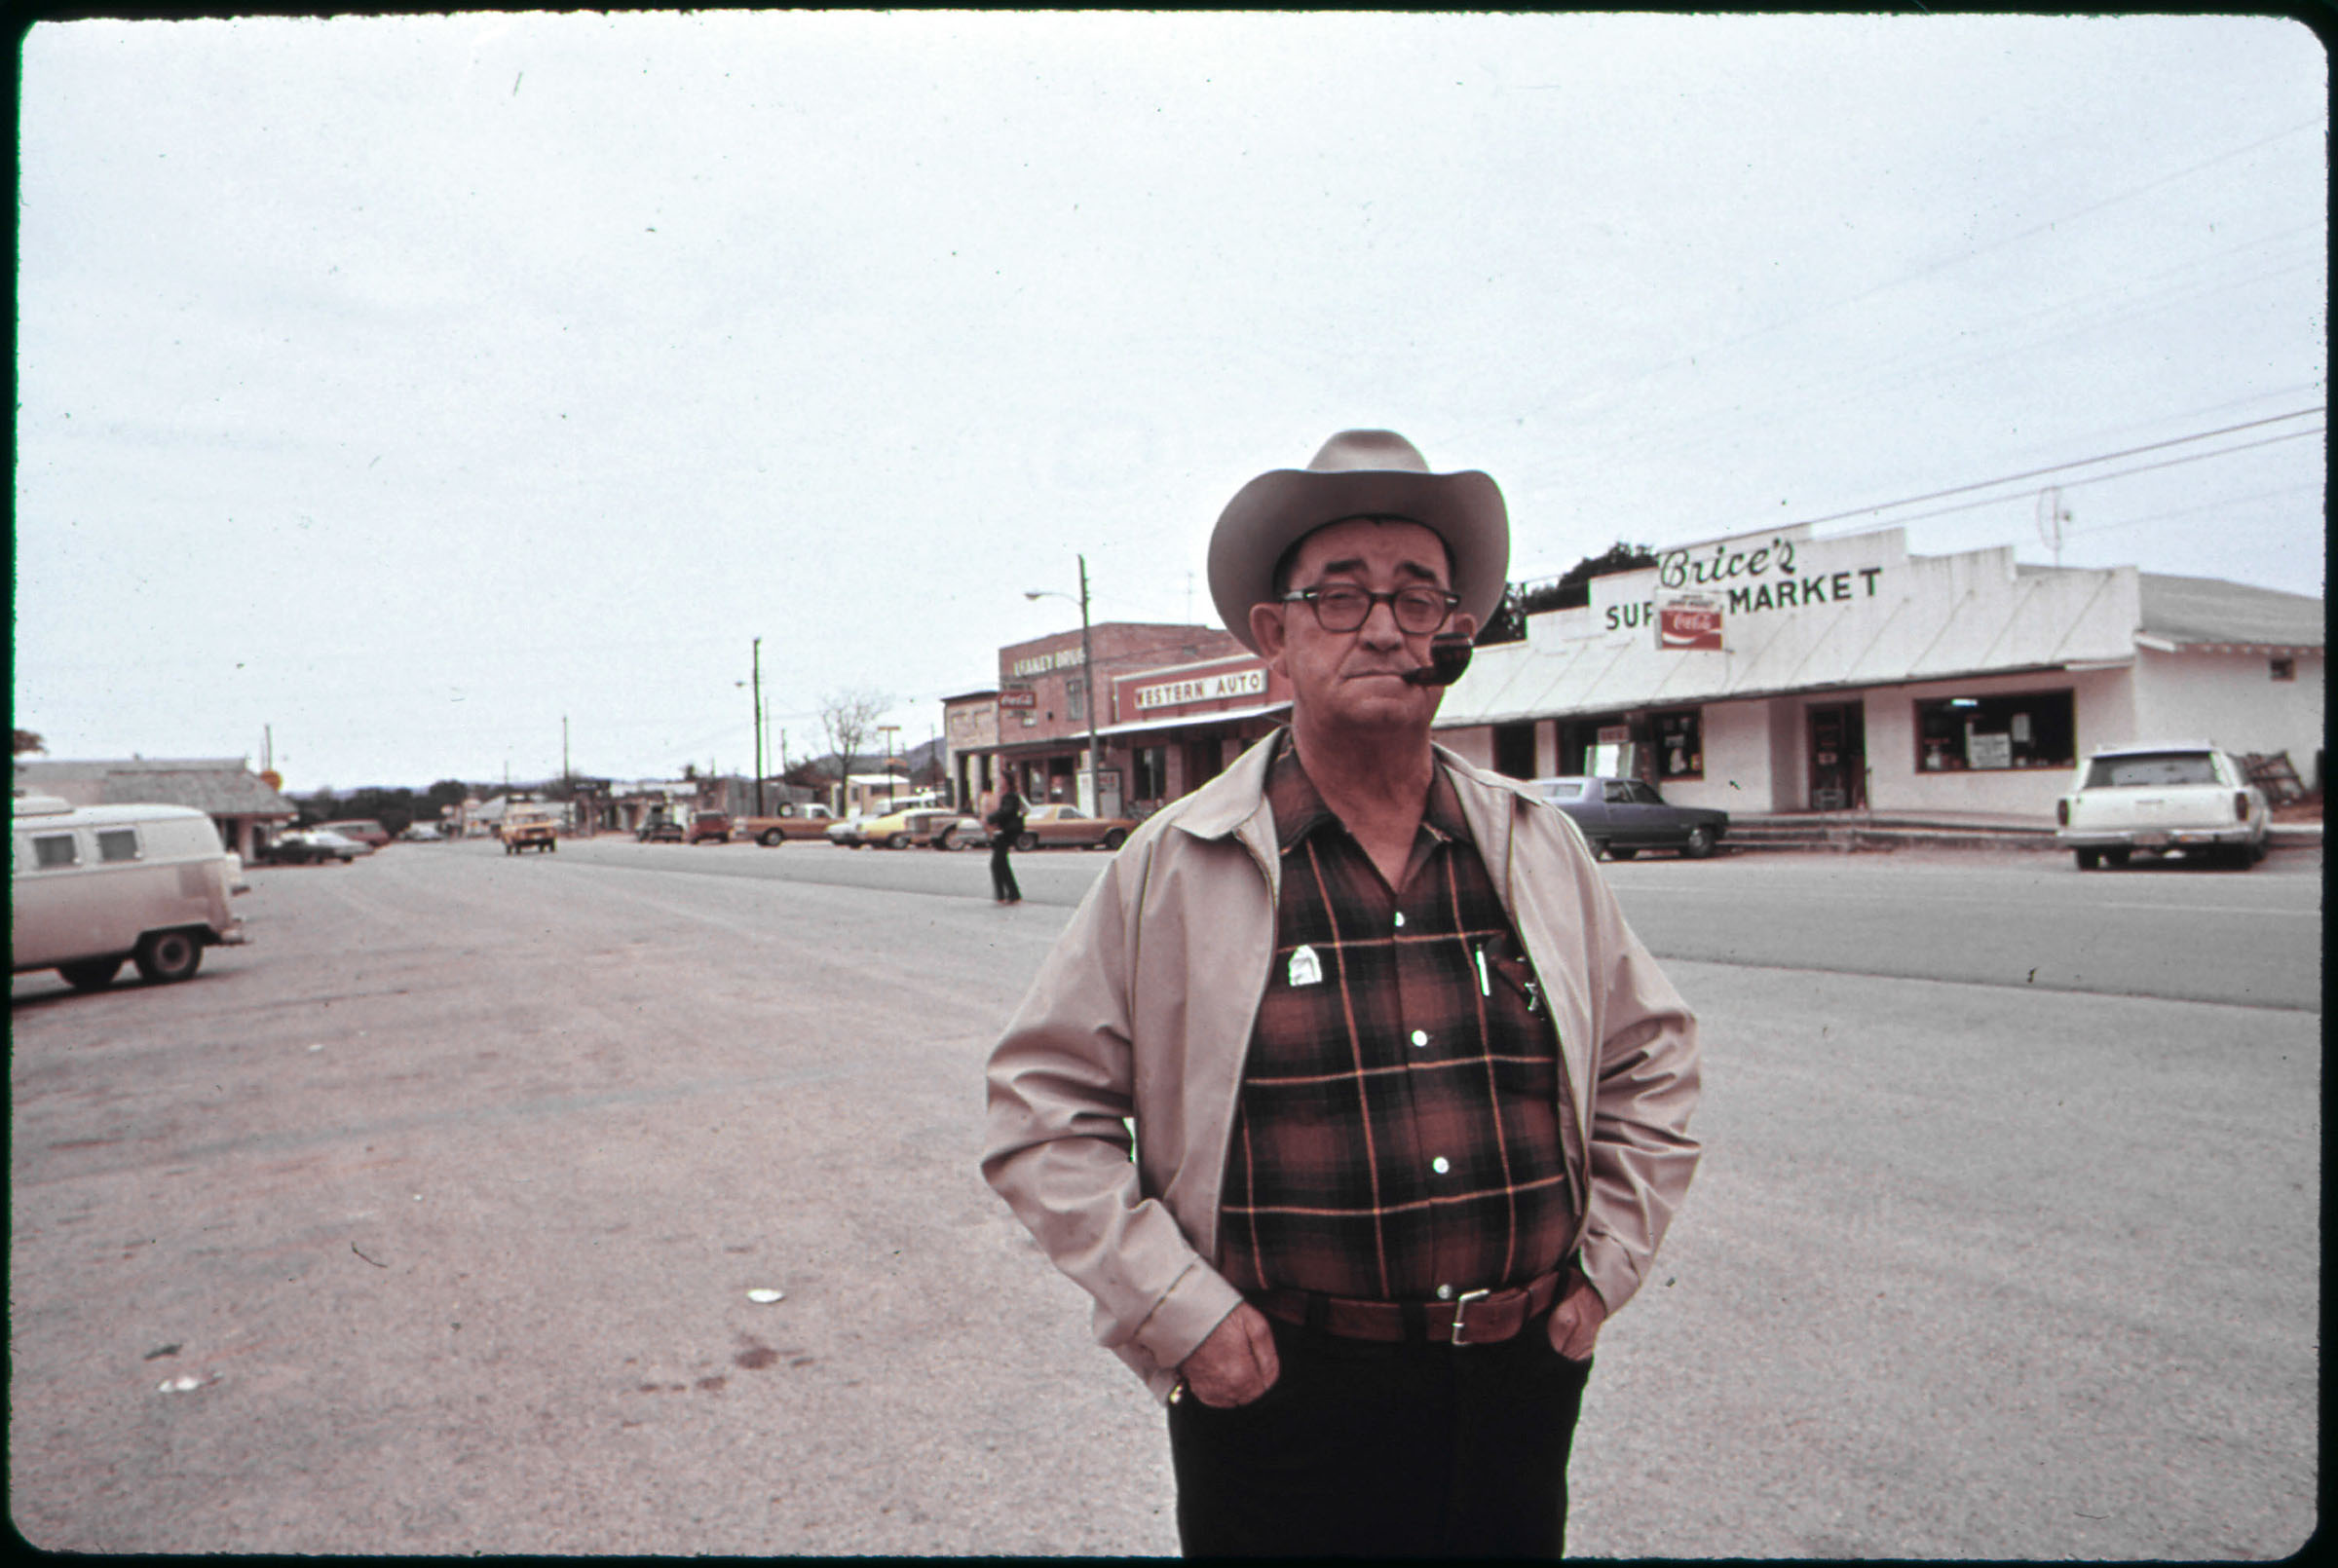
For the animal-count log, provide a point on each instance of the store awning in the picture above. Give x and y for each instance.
(1191, 721)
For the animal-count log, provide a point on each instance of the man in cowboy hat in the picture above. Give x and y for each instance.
(1410, 1101)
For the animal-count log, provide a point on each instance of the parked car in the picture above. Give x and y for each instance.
(1063, 826)
(661, 830)
(2186, 798)
(850, 831)
(1622, 816)
(311, 846)
(96, 884)
(423, 833)
(915, 825)
(809, 820)
(711, 827)
(962, 832)
(364, 830)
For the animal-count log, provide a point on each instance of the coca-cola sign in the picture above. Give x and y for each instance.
(1688, 621)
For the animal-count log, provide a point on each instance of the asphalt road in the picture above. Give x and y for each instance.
(446, 1196)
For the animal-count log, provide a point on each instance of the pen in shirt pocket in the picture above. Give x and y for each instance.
(1485, 985)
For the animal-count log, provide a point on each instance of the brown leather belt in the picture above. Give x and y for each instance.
(1473, 1318)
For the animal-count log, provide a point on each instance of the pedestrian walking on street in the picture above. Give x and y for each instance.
(1410, 1101)
(1005, 823)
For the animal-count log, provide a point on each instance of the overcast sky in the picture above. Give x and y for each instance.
(407, 385)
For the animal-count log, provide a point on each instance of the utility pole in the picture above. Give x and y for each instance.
(564, 784)
(1087, 677)
(758, 654)
(888, 731)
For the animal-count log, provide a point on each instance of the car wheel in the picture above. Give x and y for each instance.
(771, 838)
(163, 956)
(899, 841)
(1699, 844)
(2256, 852)
(91, 973)
(2087, 859)
(947, 839)
(1617, 852)
(2116, 857)
(1114, 838)
(1598, 848)
(1027, 842)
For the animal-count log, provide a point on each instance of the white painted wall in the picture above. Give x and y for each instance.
(2233, 700)
(1475, 745)
(2101, 708)
(1738, 769)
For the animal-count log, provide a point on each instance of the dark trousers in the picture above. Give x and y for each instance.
(1366, 1449)
(1002, 875)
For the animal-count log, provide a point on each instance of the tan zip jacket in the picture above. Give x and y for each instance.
(1145, 1007)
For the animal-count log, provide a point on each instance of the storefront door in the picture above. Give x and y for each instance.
(1838, 757)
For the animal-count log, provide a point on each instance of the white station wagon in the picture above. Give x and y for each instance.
(93, 886)
(2188, 798)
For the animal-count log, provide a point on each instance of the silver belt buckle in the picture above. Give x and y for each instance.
(1462, 1312)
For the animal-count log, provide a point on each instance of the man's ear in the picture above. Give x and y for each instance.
(1461, 624)
(1266, 630)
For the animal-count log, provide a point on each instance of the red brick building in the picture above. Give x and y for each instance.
(1042, 716)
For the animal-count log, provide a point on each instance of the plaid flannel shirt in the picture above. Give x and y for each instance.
(1396, 1136)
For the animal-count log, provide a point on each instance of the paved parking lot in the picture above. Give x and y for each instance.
(445, 1199)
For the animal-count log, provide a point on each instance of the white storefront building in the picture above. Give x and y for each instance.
(1782, 672)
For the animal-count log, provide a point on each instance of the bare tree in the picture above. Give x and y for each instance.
(847, 717)
(26, 741)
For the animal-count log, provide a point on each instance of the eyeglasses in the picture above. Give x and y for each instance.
(1419, 610)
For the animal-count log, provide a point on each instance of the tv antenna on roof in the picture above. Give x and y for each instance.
(2052, 516)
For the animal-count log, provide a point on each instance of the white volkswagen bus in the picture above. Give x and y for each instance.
(96, 884)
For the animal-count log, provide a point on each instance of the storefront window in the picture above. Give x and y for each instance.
(1514, 750)
(2017, 729)
(1680, 744)
(1148, 765)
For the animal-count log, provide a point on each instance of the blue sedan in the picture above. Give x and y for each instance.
(1622, 816)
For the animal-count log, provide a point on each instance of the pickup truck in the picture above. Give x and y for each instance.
(528, 827)
(793, 822)
(2188, 798)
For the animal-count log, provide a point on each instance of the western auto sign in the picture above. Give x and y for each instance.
(1249, 682)
(1018, 696)
(1688, 621)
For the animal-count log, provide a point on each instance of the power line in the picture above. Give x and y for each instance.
(2224, 505)
(2081, 462)
(2096, 479)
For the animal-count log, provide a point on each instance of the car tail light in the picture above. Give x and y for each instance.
(2240, 807)
(2061, 812)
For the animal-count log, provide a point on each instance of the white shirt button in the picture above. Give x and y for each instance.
(1444, 1292)
(1439, 1165)
(1421, 1038)
(1400, 919)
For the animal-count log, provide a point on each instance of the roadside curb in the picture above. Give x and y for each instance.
(1851, 839)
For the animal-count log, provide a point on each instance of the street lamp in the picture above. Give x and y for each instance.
(1087, 676)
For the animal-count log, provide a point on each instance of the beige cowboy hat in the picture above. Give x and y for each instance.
(1358, 473)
